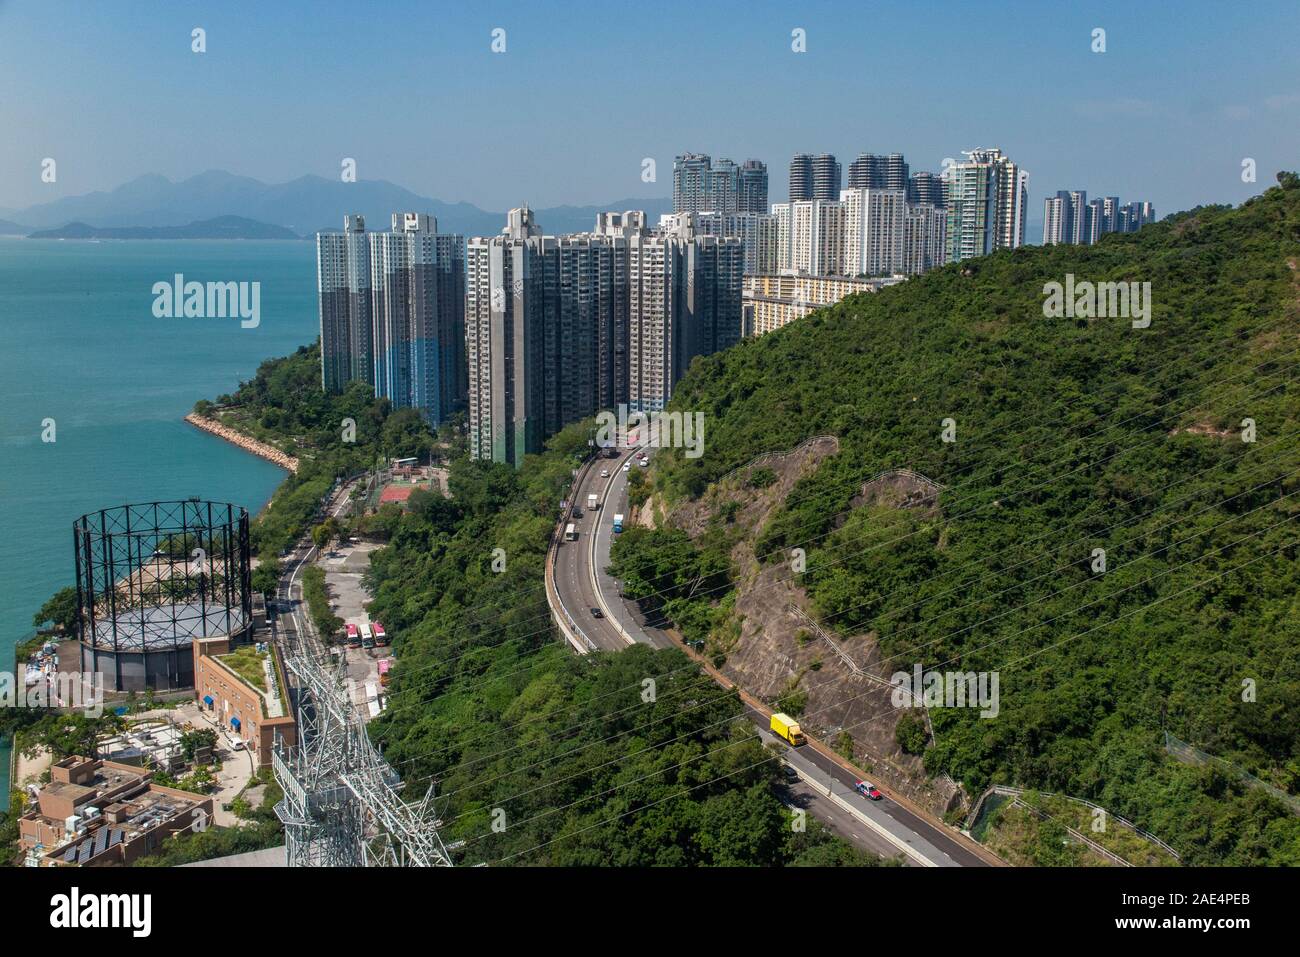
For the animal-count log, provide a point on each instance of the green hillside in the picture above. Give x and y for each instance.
(1071, 435)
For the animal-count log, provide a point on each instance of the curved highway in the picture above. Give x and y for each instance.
(592, 599)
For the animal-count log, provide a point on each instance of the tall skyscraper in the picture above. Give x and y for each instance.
(826, 177)
(559, 327)
(504, 339)
(699, 185)
(684, 301)
(1094, 216)
(1133, 216)
(801, 178)
(896, 172)
(874, 231)
(753, 187)
(986, 200)
(756, 231)
(871, 171)
(810, 237)
(723, 188)
(691, 182)
(343, 285)
(925, 188)
(924, 232)
(417, 280)
(392, 309)
(1056, 216)
(867, 172)
(1067, 218)
(1109, 212)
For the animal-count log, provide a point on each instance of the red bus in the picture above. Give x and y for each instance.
(354, 637)
(381, 636)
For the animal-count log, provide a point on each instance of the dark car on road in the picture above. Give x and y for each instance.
(596, 613)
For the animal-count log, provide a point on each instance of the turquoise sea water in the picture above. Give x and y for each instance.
(81, 346)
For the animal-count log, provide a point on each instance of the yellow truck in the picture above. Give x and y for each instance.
(787, 728)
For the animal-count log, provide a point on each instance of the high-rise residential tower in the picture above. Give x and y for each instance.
(925, 189)
(1068, 217)
(684, 301)
(559, 327)
(987, 196)
(874, 231)
(756, 231)
(801, 178)
(872, 171)
(504, 338)
(753, 187)
(343, 285)
(691, 182)
(417, 280)
(810, 237)
(827, 177)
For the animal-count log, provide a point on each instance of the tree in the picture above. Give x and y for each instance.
(60, 610)
(196, 738)
(910, 733)
(69, 734)
(266, 576)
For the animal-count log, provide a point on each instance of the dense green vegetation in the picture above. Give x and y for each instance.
(318, 603)
(485, 700)
(1071, 434)
(284, 406)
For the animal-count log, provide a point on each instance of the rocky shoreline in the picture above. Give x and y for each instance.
(260, 449)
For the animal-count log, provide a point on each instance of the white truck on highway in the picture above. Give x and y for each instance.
(592, 502)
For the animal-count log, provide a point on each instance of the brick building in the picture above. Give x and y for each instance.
(96, 813)
(245, 692)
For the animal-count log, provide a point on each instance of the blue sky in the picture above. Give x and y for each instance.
(585, 91)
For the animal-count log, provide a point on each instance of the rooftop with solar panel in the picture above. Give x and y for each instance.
(95, 812)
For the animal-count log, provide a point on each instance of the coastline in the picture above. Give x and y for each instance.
(248, 444)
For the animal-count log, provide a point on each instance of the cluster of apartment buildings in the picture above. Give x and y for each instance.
(528, 332)
(1069, 217)
(560, 327)
(888, 221)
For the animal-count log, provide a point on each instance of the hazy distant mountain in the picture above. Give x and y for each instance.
(13, 229)
(222, 227)
(304, 205)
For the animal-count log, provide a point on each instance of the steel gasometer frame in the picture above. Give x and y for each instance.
(151, 578)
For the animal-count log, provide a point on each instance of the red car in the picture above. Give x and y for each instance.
(867, 790)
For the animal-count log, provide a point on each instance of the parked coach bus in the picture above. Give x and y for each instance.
(377, 630)
(354, 637)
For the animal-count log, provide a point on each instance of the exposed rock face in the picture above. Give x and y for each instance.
(779, 648)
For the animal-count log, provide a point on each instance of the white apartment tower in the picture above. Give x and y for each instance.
(874, 231)
(810, 236)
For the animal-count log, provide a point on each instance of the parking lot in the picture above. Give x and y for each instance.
(344, 570)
